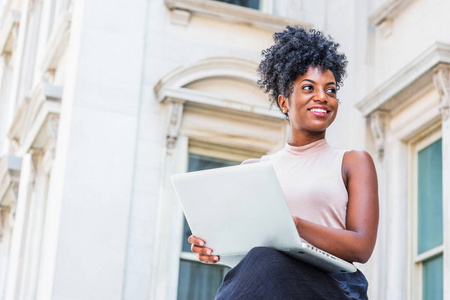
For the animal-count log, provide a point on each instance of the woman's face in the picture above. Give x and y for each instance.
(312, 105)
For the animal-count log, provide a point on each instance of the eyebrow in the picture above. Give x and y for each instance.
(312, 81)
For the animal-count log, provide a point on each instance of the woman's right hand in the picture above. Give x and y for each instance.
(203, 253)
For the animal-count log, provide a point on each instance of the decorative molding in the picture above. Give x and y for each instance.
(171, 90)
(8, 34)
(56, 46)
(171, 87)
(231, 67)
(50, 149)
(378, 126)
(29, 128)
(3, 221)
(441, 79)
(180, 17)
(9, 179)
(233, 13)
(173, 130)
(203, 99)
(385, 28)
(387, 10)
(403, 85)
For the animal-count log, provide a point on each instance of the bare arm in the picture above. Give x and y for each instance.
(356, 243)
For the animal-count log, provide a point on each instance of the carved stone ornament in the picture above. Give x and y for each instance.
(441, 80)
(49, 152)
(10, 167)
(378, 124)
(3, 222)
(8, 34)
(175, 116)
(2, 226)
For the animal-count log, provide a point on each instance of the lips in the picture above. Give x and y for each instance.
(320, 111)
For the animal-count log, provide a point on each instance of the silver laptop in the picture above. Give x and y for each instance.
(235, 209)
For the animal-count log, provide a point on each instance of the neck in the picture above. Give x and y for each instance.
(305, 139)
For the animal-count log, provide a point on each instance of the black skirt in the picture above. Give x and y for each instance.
(265, 273)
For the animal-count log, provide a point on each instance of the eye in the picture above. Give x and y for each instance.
(331, 90)
(308, 87)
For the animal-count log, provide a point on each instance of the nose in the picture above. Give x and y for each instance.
(320, 95)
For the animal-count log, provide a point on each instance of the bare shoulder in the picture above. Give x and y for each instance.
(358, 156)
(251, 161)
(358, 162)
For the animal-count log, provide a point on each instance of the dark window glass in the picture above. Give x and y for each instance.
(199, 281)
(433, 278)
(245, 3)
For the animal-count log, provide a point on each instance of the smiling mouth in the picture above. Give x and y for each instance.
(319, 110)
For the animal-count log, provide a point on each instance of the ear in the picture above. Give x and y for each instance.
(282, 102)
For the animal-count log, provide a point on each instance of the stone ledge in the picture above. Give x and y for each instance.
(7, 35)
(230, 13)
(403, 85)
(387, 10)
(9, 179)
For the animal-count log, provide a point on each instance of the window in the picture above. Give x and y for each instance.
(428, 219)
(255, 4)
(197, 280)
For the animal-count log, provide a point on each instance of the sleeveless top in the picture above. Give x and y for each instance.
(311, 179)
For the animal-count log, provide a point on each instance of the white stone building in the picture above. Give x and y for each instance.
(101, 101)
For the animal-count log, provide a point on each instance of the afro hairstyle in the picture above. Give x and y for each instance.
(294, 51)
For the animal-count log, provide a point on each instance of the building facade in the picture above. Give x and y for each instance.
(102, 101)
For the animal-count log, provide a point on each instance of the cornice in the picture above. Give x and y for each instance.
(27, 130)
(7, 32)
(57, 44)
(387, 10)
(233, 13)
(402, 86)
(9, 179)
(203, 99)
(207, 68)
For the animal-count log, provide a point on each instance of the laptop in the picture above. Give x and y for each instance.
(234, 209)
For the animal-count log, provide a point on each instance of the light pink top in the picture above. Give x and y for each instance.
(311, 179)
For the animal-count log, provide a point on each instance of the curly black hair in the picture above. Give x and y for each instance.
(295, 50)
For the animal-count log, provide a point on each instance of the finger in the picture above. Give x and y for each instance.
(209, 259)
(201, 250)
(196, 241)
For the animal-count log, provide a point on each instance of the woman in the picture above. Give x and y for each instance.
(331, 193)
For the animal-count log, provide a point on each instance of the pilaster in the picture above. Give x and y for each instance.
(441, 80)
(378, 125)
(175, 117)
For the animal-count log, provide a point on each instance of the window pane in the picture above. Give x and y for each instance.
(198, 281)
(430, 225)
(201, 162)
(246, 3)
(433, 278)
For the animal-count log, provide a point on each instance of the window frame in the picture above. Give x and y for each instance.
(416, 260)
(265, 6)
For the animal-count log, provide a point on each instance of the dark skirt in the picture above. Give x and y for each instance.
(265, 273)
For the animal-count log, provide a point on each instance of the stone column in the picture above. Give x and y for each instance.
(20, 229)
(441, 81)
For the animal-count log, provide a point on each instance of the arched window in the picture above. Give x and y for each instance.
(216, 116)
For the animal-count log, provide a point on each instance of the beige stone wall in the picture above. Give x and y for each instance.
(102, 100)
